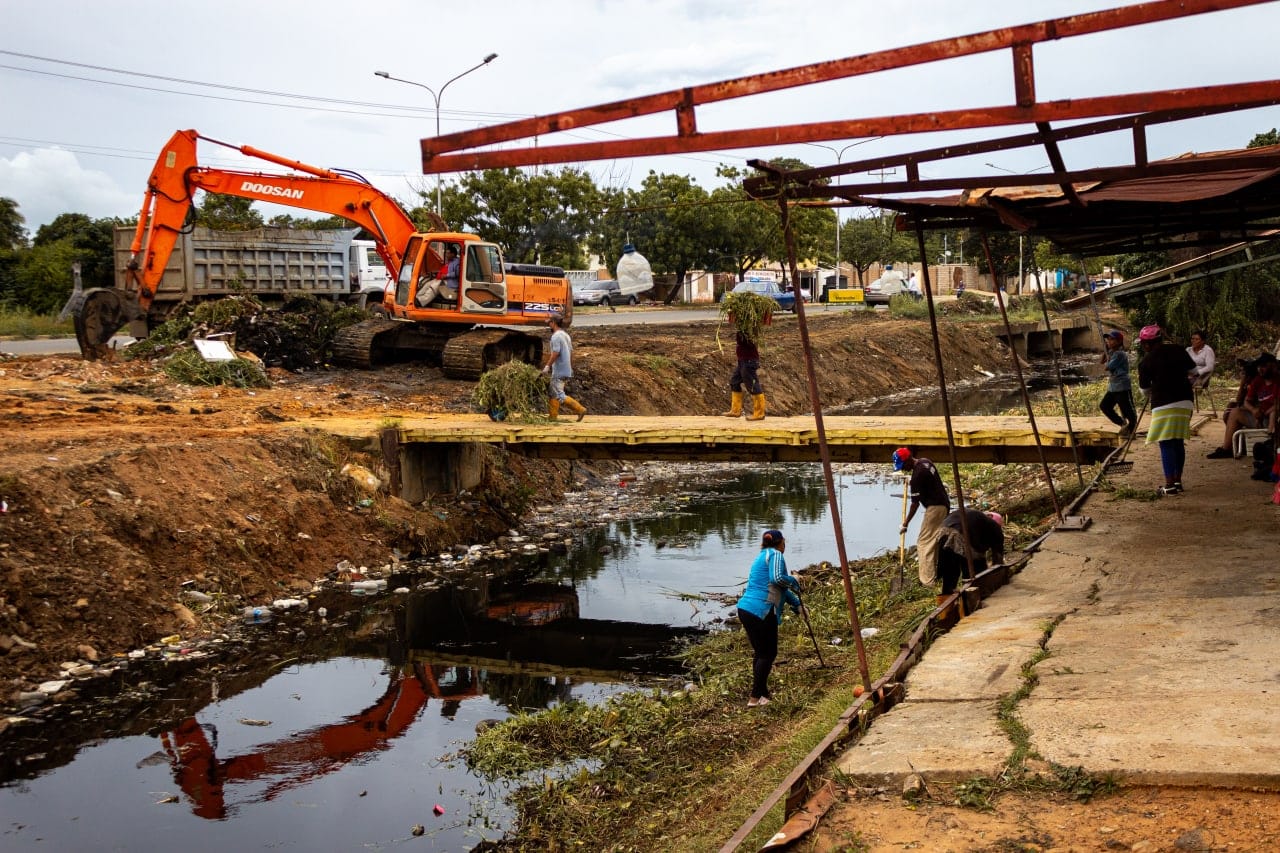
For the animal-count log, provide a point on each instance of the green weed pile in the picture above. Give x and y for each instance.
(749, 313)
(189, 367)
(514, 389)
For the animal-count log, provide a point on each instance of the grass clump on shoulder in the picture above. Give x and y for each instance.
(748, 313)
(514, 389)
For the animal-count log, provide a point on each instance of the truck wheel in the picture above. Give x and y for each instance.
(606, 303)
(631, 300)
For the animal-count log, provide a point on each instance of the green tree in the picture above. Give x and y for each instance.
(42, 278)
(535, 218)
(867, 240)
(751, 229)
(1271, 137)
(321, 223)
(227, 213)
(671, 221)
(93, 242)
(1140, 263)
(13, 232)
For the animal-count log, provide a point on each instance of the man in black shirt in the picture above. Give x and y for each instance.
(986, 534)
(926, 490)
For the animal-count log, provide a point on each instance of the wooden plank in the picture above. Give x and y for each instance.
(996, 439)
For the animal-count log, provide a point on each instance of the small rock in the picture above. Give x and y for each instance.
(51, 687)
(913, 787)
(81, 604)
(1191, 840)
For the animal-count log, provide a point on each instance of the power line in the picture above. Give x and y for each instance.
(461, 114)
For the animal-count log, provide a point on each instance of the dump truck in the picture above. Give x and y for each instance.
(463, 326)
(272, 263)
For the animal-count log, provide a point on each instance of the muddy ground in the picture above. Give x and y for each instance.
(121, 486)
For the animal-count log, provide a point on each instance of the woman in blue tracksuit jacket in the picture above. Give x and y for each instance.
(760, 610)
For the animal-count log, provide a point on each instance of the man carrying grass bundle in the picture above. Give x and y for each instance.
(749, 313)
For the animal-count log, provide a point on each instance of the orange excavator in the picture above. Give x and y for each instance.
(437, 308)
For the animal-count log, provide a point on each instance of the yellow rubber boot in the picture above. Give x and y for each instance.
(735, 408)
(575, 407)
(757, 408)
(553, 407)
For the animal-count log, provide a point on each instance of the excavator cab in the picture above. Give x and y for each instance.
(481, 285)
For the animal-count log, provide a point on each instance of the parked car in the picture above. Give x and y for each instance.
(887, 286)
(786, 300)
(599, 293)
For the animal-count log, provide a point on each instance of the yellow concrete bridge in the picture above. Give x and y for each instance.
(440, 451)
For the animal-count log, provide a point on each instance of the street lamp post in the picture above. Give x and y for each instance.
(1021, 238)
(436, 96)
(839, 155)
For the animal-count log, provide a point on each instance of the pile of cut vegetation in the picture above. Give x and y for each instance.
(297, 336)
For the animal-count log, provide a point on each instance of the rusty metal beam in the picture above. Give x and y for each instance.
(764, 186)
(1019, 40)
(872, 192)
(963, 119)
(1058, 164)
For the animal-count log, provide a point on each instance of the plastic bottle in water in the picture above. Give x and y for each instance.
(257, 615)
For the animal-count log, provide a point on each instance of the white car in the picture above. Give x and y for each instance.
(887, 286)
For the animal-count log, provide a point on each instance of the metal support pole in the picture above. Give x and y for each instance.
(824, 452)
(946, 402)
(1022, 384)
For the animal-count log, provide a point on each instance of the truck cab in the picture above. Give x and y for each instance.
(369, 276)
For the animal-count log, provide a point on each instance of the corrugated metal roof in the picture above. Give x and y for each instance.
(1193, 199)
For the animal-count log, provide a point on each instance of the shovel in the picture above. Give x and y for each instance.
(895, 585)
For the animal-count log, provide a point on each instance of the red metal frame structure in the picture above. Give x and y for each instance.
(1019, 40)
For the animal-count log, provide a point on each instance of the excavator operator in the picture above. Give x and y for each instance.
(445, 284)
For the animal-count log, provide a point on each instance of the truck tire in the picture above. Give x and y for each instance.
(606, 303)
(631, 300)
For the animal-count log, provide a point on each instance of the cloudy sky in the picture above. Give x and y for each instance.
(91, 91)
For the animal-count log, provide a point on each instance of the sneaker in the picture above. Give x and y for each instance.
(1219, 453)
(762, 701)
(1169, 490)
(753, 702)
(1178, 486)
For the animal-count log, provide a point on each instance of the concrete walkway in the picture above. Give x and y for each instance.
(1163, 632)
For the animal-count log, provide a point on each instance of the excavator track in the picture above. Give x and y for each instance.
(354, 346)
(470, 354)
(370, 343)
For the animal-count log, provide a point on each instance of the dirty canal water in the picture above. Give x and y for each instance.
(342, 730)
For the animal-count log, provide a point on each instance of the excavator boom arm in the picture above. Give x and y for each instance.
(177, 175)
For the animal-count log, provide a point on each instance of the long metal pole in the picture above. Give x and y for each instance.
(1022, 383)
(946, 403)
(824, 452)
(436, 98)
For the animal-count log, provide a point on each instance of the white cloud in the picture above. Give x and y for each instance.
(47, 182)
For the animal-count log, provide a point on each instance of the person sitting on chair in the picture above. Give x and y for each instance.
(1258, 409)
(1202, 354)
(449, 274)
(445, 284)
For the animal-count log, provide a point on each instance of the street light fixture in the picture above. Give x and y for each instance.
(839, 155)
(436, 96)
